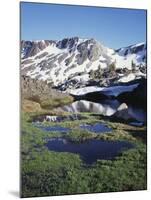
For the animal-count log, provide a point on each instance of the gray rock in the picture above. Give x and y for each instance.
(69, 68)
(62, 57)
(69, 60)
(41, 55)
(67, 43)
(25, 62)
(31, 48)
(122, 112)
(82, 57)
(94, 52)
(123, 106)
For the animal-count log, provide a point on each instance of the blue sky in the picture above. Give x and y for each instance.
(113, 27)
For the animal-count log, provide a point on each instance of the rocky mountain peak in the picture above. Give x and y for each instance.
(132, 49)
(76, 60)
(67, 43)
(31, 48)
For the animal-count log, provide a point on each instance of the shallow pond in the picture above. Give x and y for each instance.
(90, 150)
(52, 128)
(97, 128)
(138, 124)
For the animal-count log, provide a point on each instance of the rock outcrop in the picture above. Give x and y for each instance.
(83, 60)
(122, 112)
(42, 93)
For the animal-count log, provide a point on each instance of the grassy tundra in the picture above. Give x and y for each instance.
(45, 172)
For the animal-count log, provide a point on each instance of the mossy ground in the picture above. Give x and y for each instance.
(45, 172)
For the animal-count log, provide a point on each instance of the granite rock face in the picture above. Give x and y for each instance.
(31, 48)
(81, 60)
(67, 43)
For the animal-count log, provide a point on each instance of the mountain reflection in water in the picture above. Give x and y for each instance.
(106, 108)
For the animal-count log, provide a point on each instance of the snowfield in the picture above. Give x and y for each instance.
(109, 91)
(75, 58)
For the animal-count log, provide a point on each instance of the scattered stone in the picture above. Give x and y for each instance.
(123, 106)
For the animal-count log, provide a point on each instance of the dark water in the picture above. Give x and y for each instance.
(52, 128)
(91, 150)
(106, 108)
(97, 128)
(139, 124)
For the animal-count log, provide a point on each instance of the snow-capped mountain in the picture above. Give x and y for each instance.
(72, 60)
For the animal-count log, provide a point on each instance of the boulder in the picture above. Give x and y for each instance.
(122, 112)
(123, 106)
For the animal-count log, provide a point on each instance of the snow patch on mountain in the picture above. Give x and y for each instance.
(129, 77)
(109, 91)
(74, 58)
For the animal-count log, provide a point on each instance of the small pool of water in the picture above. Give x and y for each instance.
(97, 128)
(138, 124)
(91, 150)
(52, 128)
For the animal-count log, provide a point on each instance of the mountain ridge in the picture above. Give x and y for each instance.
(75, 58)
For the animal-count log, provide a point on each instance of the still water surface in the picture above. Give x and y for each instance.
(91, 150)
